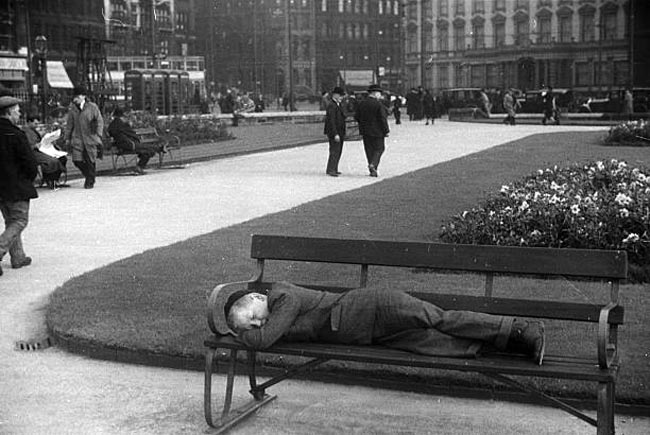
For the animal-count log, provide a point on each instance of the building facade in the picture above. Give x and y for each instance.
(524, 44)
(266, 45)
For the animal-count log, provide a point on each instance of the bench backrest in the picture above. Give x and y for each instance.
(490, 260)
(148, 135)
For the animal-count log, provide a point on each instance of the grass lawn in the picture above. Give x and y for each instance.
(155, 301)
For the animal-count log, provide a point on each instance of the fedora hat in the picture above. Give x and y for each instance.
(221, 299)
(375, 88)
(79, 90)
(338, 90)
(7, 101)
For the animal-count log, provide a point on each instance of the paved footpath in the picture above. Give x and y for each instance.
(73, 231)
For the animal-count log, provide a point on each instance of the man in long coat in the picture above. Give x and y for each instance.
(84, 128)
(369, 316)
(18, 170)
(372, 117)
(335, 131)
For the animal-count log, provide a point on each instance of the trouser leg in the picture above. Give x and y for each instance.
(335, 151)
(368, 148)
(16, 217)
(377, 150)
(404, 318)
(143, 159)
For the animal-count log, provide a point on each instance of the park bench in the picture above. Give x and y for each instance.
(601, 367)
(166, 146)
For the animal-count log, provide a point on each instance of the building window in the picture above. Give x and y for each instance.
(583, 74)
(500, 5)
(427, 9)
(478, 6)
(609, 24)
(443, 38)
(621, 72)
(499, 33)
(587, 27)
(459, 36)
(341, 6)
(478, 35)
(427, 39)
(521, 4)
(413, 10)
(492, 74)
(443, 8)
(564, 25)
(460, 7)
(522, 30)
(443, 76)
(544, 23)
(458, 74)
(478, 73)
(412, 43)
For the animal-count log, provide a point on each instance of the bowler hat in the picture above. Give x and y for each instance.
(8, 101)
(79, 90)
(375, 88)
(338, 90)
(222, 298)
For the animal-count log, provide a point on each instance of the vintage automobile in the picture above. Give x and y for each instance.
(533, 101)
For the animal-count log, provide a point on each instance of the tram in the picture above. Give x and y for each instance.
(163, 92)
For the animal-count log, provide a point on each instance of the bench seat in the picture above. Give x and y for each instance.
(600, 366)
(165, 146)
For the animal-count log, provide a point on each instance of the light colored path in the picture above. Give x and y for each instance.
(73, 231)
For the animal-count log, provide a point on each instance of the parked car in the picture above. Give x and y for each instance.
(533, 101)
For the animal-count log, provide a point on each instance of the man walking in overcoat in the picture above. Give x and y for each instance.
(335, 131)
(18, 170)
(372, 117)
(84, 128)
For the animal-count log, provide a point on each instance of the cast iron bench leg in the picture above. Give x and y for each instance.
(606, 408)
(228, 418)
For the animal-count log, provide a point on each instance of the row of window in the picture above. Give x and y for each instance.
(357, 31)
(445, 8)
(523, 34)
(606, 73)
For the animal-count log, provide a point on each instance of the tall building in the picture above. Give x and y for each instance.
(581, 44)
(352, 42)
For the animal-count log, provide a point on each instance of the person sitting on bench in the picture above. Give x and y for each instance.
(51, 167)
(367, 316)
(126, 139)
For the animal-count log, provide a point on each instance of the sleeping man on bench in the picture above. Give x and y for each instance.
(368, 316)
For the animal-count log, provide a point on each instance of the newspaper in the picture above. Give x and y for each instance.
(46, 145)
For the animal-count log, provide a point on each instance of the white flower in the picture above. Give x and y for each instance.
(504, 189)
(575, 209)
(464, 214)
(535, 233)
(631, 238)
(540, 172)
(536, 196)
(623, 199)
(624, 212)
(600, 165)
(554, 199)
(524, 206)
(622, 165)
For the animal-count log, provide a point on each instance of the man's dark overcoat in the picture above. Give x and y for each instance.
(18, 166)
(372, 117)
(334, 120)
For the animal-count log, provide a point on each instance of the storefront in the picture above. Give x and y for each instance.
(13, 72)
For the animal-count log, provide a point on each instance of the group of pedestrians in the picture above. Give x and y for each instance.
(422, 104)
(371, 115)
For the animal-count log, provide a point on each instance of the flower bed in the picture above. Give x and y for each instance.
(191, 131)
(601, 205)
(633, 133)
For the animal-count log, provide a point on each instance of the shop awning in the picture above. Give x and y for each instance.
(13, 68)
(57, 75)
(357, 77)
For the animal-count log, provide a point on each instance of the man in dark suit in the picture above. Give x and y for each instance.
(335, 131)
(372, 117)
(368, 316)
(18, 169)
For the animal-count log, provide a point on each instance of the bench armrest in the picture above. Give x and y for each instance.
(607, 351)
(212, 297)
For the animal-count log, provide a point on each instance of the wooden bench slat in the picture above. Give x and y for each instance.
(553, 367)
(523, 307)
(498, 259)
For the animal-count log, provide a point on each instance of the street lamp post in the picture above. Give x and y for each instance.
(40, 48)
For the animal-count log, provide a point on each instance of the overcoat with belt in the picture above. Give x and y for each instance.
(18, 166)
(373, 316)
(84, 129)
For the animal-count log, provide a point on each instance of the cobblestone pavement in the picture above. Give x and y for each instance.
(74, 230)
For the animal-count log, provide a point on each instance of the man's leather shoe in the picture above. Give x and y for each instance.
(26, 261)
(373, 170)
(332, 174)
(528, 337)
(338, 173)
(1, 272)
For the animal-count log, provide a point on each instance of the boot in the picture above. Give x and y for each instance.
(528, 337)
